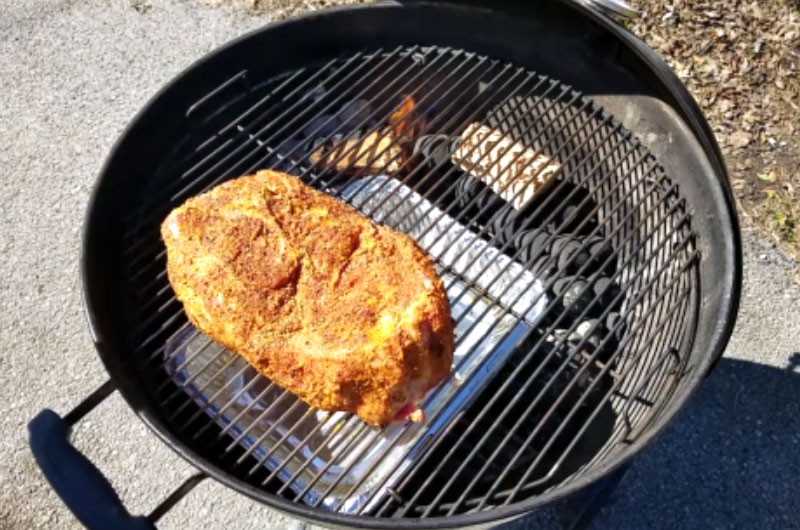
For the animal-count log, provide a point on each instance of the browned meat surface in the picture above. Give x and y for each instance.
(347, 314)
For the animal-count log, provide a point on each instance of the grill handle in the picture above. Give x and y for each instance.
(83, 488)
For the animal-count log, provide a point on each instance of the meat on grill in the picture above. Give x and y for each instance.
(346, 314)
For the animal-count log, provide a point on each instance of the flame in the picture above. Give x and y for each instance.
(405, 120)
(406, 108)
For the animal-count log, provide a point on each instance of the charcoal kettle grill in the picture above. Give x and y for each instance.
(586, 317)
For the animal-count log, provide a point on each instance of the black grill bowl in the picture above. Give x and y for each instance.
(678, 281)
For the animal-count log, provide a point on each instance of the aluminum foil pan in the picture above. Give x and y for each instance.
(312, 448)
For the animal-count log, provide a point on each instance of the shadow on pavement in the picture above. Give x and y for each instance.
(730, 460)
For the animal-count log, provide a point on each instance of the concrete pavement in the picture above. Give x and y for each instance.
(71, 75)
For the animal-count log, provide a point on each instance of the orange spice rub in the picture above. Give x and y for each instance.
(346, 314)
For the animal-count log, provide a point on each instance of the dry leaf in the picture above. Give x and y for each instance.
(740, 139)
(767, 177)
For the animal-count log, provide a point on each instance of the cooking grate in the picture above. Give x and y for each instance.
(607, 252)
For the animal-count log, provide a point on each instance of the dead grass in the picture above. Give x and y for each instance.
(741, 61)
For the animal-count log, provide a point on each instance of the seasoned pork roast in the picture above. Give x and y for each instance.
(347, 314)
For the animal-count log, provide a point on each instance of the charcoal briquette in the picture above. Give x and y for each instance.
(506, 222)
(576, 297)
(573, 256)
(601, 250)
(578, 205)
(320, 127)
(435, 149)
(354, 113)
(606, 292)
(532, 244)
(558, 244)
(617, 325)
(596, 336)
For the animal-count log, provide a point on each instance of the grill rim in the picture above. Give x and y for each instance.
(104, 335)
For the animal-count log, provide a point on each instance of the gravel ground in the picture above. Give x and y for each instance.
(71, 75)
(741, 62)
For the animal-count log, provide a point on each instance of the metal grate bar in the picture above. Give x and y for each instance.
(641, 386)
(314, 455)
(541, 394)
(528, 357)
(533, 349)
(241, 76)
(182, 428)
(477, 420)
(184, 327)
(173, 299)
(234, 421)
(688, 339)
(374, 435)
(228, 405)
(190, 188)
(692, 323)
(200, 390)
(236, 441)
(183, 387)
(264, 436)
(161, 275)
(340, 127)
(189, 380)
(297, 109)
(189, 359)
(130, 220)
(528, 472)
(340, 476)
(169, 321)
(291, 454)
